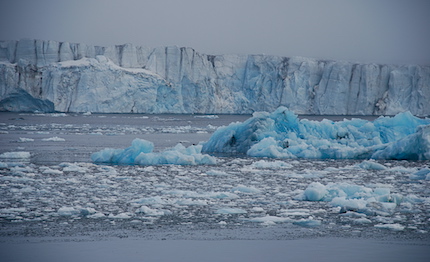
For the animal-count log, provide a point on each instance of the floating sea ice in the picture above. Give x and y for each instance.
(75, 211)
(151, 212)
(15, 155)
(268, 220)
(67, 211)
(96, 215)
(309, 222)
(50, 171)
(141, 153)
(354, 197)
(207, 116)
(192, 194)
(156, 200)
(395, 227)
(191, 202)
(361, 221)
(271, 164)
(315, 192)
(282, 135)
(371, 165)
(24, 139)
(423, 174)
(216, 173)
(295, 212)
(228, 211)
(12, 213)
(245, 189)
(73, 167)
(124, 215)
(54, 139)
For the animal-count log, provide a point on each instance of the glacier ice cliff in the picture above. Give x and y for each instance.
(282, 134)
(127, 78)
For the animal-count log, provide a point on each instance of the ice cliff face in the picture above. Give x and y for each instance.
(128, 78)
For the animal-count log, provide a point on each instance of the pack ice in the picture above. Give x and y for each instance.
(282, 134)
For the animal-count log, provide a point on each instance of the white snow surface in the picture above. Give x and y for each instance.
(128, 78)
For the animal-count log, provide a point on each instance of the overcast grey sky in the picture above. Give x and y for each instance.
(381, 31)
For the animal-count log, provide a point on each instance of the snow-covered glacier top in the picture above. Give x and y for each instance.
(126, 78)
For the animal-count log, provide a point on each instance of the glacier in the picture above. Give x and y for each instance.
(73, 77)
(282, 134)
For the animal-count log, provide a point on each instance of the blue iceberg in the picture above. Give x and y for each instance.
(141, 153)
(282, 134)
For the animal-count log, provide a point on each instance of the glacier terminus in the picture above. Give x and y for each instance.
(38, 75)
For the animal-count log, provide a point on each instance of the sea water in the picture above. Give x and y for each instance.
(49, 187)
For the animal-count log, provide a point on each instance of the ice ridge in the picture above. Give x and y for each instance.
(127, 78)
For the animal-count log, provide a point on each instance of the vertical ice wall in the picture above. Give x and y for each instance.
(181, 80)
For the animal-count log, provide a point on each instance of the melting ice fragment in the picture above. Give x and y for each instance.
(351, 197)
(423, 174)
(15, 155)
(141, 153)
(282, 134)
(227, 211)
(371, 165)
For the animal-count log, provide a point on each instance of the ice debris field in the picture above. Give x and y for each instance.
(282, 134)
(335, 198)
(316, 178)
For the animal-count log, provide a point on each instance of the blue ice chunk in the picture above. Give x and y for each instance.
(371, 165)
(415, 146)
(282, 134)
(423, 174)
(356, 197)
(141, 153)
(245, 189)
(123, 156)
(307, 222)
(315, 192)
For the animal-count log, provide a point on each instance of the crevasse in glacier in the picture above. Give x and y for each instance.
(128, 78)
(282, 134)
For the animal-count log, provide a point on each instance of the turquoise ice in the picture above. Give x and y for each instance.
(282, 134)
